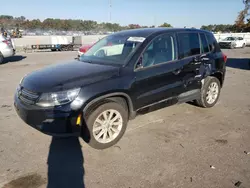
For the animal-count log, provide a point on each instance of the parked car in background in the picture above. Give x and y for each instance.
(232, 42)
(83, 49)
(7, 48)
(120, 75)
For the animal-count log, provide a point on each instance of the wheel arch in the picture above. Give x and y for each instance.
(116, 96)
(219, 76)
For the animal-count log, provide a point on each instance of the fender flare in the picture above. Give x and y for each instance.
(132, 113)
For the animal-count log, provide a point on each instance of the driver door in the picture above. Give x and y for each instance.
(157, 80)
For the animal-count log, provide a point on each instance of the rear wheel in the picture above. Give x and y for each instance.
(1, 58)
(210, 93)
(106, 125)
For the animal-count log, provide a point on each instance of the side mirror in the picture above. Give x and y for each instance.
(139, 64)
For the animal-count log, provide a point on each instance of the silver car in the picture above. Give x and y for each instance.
(7, 48)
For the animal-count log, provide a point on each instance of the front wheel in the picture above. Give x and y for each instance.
(210, 93)
(106, 125)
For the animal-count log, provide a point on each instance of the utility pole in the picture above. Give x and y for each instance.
(155, 21)
(110, 11)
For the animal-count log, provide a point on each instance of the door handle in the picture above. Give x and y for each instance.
(176, 72)
(199, 60)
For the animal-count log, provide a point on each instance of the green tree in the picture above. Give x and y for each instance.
(165, 25)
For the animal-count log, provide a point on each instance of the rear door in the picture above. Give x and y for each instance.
(190, 55)
(157, 76)
(240, 42)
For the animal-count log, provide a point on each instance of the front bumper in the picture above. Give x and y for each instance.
(58, 121)
(226, 45)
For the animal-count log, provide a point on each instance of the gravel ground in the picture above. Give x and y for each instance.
(178, 146)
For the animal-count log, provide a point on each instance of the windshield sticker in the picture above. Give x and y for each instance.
(136, 39)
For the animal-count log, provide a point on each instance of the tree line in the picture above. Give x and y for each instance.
(21, 22)
(241, 24)
(10, 22)
(227, 27)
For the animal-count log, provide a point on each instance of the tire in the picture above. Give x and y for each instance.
(203, 101)
(1, 58)
(117, 109)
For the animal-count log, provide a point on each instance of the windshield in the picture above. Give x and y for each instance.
(113, 49)
(229, 39)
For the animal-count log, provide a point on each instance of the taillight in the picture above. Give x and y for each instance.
(83, 50)
(224, 58)
(6, 41)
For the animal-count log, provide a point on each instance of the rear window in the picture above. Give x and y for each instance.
(189, 44)
(213, 43)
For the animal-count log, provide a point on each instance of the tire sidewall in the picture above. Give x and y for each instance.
(1, 58)
(92, 117)
(205, 89)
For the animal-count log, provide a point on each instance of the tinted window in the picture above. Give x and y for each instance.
(229, 38)
(189, 44)
(204, 43)
(160, 50)
(212, 43)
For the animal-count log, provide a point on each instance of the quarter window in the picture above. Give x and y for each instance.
(189, 44)
(160, 50)
(213, 45)
(204, 43)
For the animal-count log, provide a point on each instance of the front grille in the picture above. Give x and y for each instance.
(28, 97)
(224, 44)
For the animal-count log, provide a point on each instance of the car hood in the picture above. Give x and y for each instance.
(227, 41)
(67, 76)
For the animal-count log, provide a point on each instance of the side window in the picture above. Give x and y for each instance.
(213, 45)
(204, 43)
(189, 44)
(160, 50)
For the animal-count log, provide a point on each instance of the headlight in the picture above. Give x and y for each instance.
(19, 85)
(21, 80)
(57, 98)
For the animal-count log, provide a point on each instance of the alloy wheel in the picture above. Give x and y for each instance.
(107, 126)
(212, 93)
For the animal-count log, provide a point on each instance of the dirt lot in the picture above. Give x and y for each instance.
(171, 147)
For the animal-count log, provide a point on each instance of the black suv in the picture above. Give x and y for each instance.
(120, 75)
